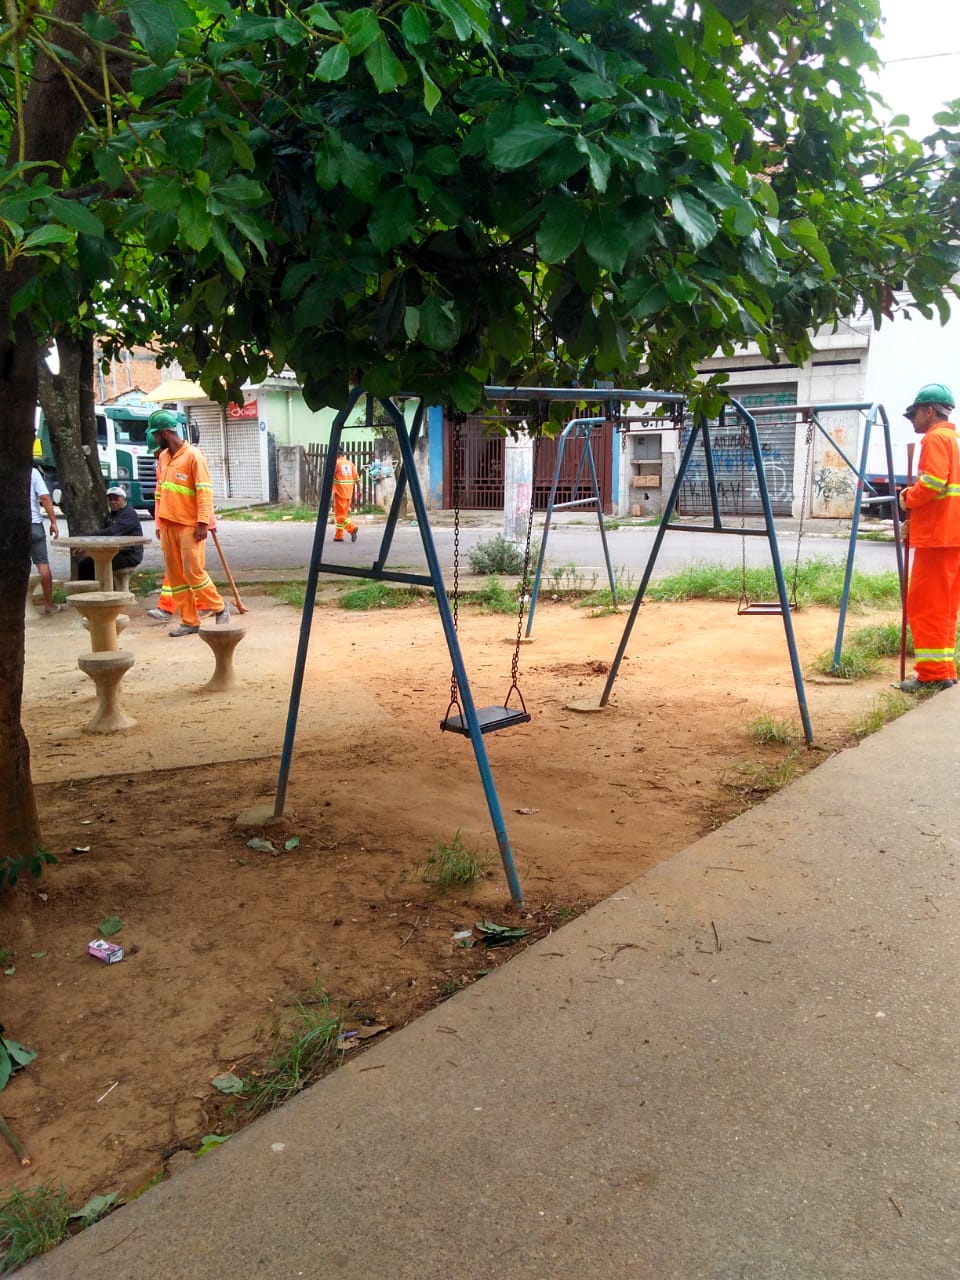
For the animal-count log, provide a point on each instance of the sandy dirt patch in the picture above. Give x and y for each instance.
(220, 937)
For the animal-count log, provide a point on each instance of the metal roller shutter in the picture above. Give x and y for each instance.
(208, 419)
(243, 459)
(737, 487)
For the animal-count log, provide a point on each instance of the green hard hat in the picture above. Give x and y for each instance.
(934, 393)
(160, 420)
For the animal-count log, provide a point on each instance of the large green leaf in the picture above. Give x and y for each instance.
(335, 63)
(75, 215)
(155, 25)
(606, 239)
(384, 66)
(562, 229)
(439, 323)
(695, 218)
(393, 218)
(521, 144)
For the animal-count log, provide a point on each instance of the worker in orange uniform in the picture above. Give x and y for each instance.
(184, 509)
(933, 508)
(346, 478)
(165, 607)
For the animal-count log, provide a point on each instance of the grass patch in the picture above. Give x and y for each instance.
(305, 1043)
(378, 595)
(864, 652)
(566, 579)
(31, 1222)
(145, 581)
(766, 730)
(493, 597)
(453, 865)
(819, 582)
(756, 780)
(271, 514)
(887, 707)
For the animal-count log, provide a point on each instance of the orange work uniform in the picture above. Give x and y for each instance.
(345, 480)
(933, 596)
(184, 499)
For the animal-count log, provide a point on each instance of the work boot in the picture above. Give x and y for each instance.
(353, 536)
(183, 630)
(916, 685)
(338, 538)
(158, 614)
(223, 615)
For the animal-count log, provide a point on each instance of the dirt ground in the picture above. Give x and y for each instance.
(220, 938)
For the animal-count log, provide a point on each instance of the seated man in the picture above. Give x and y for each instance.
(122, 522)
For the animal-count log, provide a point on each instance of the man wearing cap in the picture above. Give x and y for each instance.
(932, 505)
(184, 510)
(122, 522)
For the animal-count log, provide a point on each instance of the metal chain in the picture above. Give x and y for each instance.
(807, 470)
(456, 482)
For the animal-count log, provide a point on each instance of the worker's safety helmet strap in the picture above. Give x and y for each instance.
(936, 394)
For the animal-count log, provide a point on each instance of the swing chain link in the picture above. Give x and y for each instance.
(457, 419)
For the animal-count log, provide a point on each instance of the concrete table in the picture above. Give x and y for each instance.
(101, 610)
(101, 550)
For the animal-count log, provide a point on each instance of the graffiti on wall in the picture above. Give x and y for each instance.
(738, 489)
(833, 484)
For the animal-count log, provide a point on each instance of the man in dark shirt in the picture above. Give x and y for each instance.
(122, 522)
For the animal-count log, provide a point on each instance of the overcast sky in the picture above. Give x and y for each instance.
(921, 49)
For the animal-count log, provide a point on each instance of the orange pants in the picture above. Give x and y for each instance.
(185, 560)
(341, 511)
(205, 598)
(933, 601)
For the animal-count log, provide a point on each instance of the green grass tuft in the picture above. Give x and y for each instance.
(819, 582)
(768, 729)
(305, 1043)
(454, 864)
(31, 1222)
(888, 706)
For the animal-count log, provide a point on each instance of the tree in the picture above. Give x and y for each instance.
(434, 194)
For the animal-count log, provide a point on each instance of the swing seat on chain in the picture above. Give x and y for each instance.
(489, 719)
(769, 607)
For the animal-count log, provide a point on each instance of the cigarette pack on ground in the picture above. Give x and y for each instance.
(108, 952)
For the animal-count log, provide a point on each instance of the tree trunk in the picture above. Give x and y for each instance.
(66, 399)
(19, 823)
(52, 117)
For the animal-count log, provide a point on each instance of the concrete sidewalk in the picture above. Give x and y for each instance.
(741, 1067)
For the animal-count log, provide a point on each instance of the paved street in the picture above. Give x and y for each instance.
(283, 547)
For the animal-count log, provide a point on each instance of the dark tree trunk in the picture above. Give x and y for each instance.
(66, 399)
(52, 117)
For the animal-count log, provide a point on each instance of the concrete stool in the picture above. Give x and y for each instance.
(222, 641)
(106, 670)
(101, 610)
(121, 579)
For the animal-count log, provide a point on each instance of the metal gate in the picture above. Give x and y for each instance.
(360, 452)
(479, 466)
(737, 487)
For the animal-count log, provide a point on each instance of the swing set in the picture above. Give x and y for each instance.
(462, 716)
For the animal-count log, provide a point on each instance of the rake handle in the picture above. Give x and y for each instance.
(241, 607)
(906, 570)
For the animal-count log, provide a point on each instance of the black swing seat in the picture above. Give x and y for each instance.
(769, 607)
(489, 719)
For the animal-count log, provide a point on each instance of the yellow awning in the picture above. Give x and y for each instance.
(175, 389)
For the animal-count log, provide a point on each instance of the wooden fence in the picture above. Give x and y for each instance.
(360, 452)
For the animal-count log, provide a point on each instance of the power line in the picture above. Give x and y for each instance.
(922, 57)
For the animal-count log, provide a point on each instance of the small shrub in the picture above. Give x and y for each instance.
(497, 555)
(145, 581)
(453, 864)
(31, 1222)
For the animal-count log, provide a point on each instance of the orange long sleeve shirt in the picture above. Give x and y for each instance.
(934, 501)
(184, 488)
